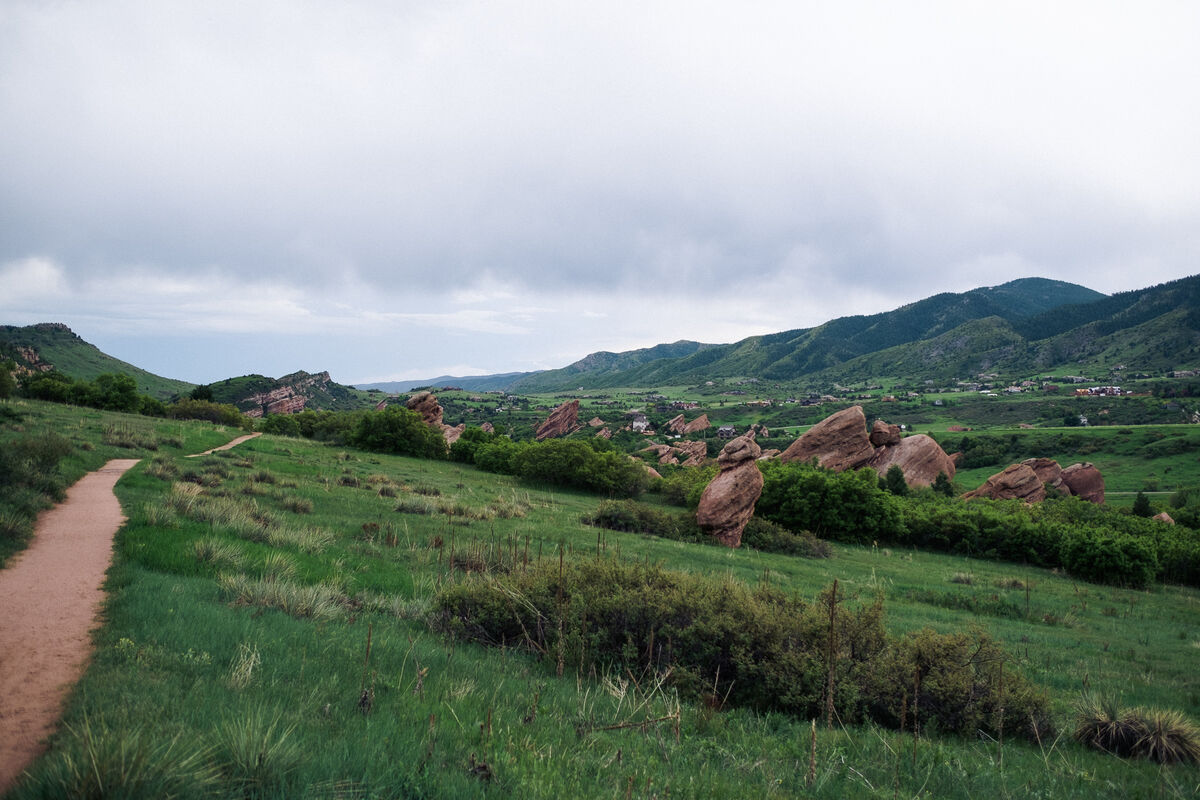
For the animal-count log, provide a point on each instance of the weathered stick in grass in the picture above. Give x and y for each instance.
(812, 756)
(916, 710)
(829, 661)
(1000, 722)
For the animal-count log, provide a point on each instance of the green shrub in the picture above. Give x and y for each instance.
(845, 506)
(1107, 557)
(724, 642)
(397, 430)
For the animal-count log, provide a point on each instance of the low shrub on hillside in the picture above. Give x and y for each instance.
(725, 643)
(1163, 736)
(1089, 541)
(30, 480)
(588, 465)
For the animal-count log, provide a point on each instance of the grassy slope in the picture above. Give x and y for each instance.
(73, 356)
(173, 641)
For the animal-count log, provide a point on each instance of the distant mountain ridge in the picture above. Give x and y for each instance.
(790, 355)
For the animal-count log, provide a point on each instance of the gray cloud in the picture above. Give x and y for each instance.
(387, 156)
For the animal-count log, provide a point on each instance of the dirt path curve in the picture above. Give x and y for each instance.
(227, 445)
(50, 596)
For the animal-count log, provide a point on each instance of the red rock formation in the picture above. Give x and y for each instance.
(883, 434)
(700, 423)
(425, 404)
(838, 442)
(919, 456)
(488, 427)
(1017, 481)
(596, 422)
(604, 433)
(677, 424)
(1163, 516)
(769, 454)
(1048, 471)
(452, 432)
(1085, 481)
(692, 453)
(563, 420)
(727, 503)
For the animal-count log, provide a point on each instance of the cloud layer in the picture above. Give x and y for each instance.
(506, 185)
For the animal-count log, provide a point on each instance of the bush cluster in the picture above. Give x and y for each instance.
(760, 648)
(759, 534)
(591, 465)
(1089, 541)
(118, 392)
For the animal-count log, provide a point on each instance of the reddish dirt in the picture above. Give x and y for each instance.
(50, 595)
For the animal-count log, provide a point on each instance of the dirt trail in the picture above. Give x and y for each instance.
(50, 596)
(49, 599)
(227, 445)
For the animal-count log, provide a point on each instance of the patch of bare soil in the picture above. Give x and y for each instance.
(50, 598)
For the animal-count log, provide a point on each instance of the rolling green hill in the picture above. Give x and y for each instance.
(1018, 328)
(52, 344)
(258, 394)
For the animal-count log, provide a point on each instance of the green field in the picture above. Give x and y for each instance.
(266, 635)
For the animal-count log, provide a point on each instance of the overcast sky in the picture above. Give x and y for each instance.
(394, 190)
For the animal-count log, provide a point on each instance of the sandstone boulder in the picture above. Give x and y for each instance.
(919, 456)
(596, 422)
(700, 423)
(727, 503)
(452, 432)
(692, 453)
(488, 427)
(1016, 482)
(883, 435)
(1085, 481)
(563, 420)
(1048, 471)
(1163, 516)
(838, 442)
(677, 424)
(604, 433)
(425, 404)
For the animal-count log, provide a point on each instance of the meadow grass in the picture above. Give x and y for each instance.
(233, 645)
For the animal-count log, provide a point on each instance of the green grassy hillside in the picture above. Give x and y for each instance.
(268, 634)
(56, 345)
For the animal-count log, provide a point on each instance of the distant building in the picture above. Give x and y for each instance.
(726, 432)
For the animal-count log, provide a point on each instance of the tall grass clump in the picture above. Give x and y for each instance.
(99, 763)
(257, 754)
(315, 601)
(1164, 736)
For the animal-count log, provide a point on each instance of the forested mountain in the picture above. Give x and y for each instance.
(794, 354)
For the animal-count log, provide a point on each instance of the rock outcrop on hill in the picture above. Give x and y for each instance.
(838, 442)
(1085, 481)
(689, 454)
(1048, 472)
(1015, 482)
(604, 433)
(918, 456)
(680, 425)
(562, 420)
(487, 427)
(1028, 480)
(425, 404)
(727, 503)
(596, 422)
(883, 434)
(290, 397)
(1163, 516)
(841, 442)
